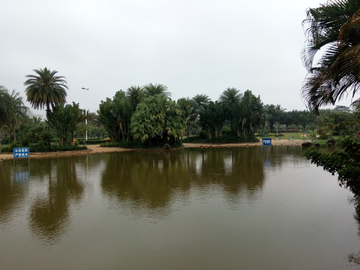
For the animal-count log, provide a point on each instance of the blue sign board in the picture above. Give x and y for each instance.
(21, 152)
(21, 176)
(266, 141)
(267, 163)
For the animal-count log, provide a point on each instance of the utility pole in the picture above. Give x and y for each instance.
(86, 89)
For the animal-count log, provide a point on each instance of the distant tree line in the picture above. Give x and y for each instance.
(147, 116)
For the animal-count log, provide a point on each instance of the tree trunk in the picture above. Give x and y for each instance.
(13, 128)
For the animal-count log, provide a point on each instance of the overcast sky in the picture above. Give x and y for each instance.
(191, 46)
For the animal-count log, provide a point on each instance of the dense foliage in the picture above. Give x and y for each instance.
(158, 119)
(144, 114)
(12, 109)
(333, 30)
(334, 27)
(64, 120)
(147, 114)
(345, 163)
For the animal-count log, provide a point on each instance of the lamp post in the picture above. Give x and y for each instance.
(86, 89)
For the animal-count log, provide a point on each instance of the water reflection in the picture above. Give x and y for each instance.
(239, 171)
(11, 194)
(143, 183)
(209, 208)
(276, 157)
(49, 211)
(145, 179)
(150, 180)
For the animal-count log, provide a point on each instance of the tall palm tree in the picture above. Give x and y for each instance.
(151, 90)
(45, 89)
(333, 27)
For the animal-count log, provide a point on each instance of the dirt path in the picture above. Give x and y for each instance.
(228, 145)
(94, 149)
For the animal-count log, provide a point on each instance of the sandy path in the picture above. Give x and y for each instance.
(273, 142)
(94, 149)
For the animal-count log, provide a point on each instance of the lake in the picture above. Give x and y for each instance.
(236, 208)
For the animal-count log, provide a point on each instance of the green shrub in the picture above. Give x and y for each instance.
(95, 141)
(227, 138)
(7, 140)
(7, 149)
(38, 147)
(203, 134)
(137, 144)
(125, 144)
(10, 147)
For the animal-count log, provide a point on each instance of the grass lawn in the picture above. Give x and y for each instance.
(294, 135)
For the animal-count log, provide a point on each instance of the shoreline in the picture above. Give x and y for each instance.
(96, 149)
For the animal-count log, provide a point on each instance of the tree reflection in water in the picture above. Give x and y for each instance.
(49, 213)
(143, 183)
(11, 194)
(147, 181)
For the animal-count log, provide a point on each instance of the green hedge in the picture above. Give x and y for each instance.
(224, 139)
(42, 148)
(137, 144)
(99, 141)
(125, 144)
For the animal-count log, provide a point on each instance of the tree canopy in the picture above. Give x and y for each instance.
(333, 28)
(151, 90)
(45, 89)
(64, 120)
(12, 109)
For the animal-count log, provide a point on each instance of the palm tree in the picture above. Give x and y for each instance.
(45, 89)
(333, 27)
(135, 94)
(4, 105)
(122, 109)
(212, 117)
(230, 96)
(17, 111)
(12, 109)
(64, 120)
(151, 90)
(199, 100)
(108, 119)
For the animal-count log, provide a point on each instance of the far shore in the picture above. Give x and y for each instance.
(96, 149)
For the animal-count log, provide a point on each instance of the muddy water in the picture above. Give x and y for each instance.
(239, 208)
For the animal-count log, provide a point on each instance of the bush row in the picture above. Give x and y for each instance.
(98, 141)
(42, 148)
(224, 139)
(137, 144)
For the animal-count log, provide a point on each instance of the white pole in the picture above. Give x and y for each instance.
(86, 89)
